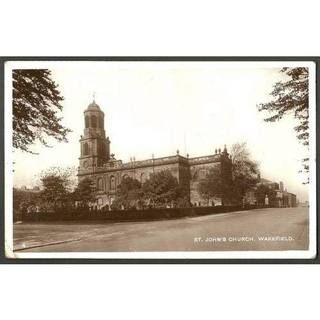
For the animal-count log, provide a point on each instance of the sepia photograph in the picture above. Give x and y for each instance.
(160, 159)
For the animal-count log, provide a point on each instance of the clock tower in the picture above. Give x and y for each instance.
(95, 146)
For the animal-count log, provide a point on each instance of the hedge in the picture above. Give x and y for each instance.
(127, 215)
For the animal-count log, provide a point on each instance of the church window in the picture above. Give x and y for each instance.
(87, 121)
(101, 122)
(100, 184)
(202, 174)
(93, 121)
(112, 183)
(86, 149)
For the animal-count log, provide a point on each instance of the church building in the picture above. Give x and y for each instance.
(97, 163)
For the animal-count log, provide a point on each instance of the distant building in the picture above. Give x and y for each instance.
(281, 188)
(271, 184)
(278, 196)
(98, 163)
(289, 199)
(34, 189)
(304, 204)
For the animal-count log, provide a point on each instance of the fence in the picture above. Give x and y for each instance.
(126, 215)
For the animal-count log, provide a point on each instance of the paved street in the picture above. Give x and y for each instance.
(261, 229)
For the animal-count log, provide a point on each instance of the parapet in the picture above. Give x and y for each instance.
(154, 162)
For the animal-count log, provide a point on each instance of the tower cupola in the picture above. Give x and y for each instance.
(95, 146)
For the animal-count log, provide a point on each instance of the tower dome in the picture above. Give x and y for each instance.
(93, 106)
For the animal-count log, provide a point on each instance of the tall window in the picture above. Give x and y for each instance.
(93, 121)
(86, 149)
(142, 178)
(87, 121)
(100, 184)
(101, 122)
(112, 183)
(202, 174)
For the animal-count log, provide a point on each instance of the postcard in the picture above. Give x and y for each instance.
(160, 159)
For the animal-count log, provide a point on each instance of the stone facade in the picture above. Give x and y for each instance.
(97, 163)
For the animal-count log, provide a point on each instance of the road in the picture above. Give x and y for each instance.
(261, 229)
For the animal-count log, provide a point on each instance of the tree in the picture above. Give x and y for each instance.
(36, 102)
(22, 199)
(214, 185)
(291, 97)
(245, 171)
(57, 184)
(67, 174)
(161, 188)
(128, 194)
(54, 190)
(85, 192)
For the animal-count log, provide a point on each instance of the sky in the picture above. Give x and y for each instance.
(160, 107)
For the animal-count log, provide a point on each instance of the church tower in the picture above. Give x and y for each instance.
(95, 147)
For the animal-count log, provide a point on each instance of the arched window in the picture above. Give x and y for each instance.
(100, 184)
(87, 121)
(142, 178)
(125, 176)
(86, 149)
(100, 122)
(112, 183)
(93, 121)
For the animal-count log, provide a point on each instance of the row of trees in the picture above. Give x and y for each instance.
(58, 189)
(160, 190)
(57, 192)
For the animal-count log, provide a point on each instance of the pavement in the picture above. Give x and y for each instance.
(260, 229)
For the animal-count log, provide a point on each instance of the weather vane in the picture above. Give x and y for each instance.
(94, 95)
